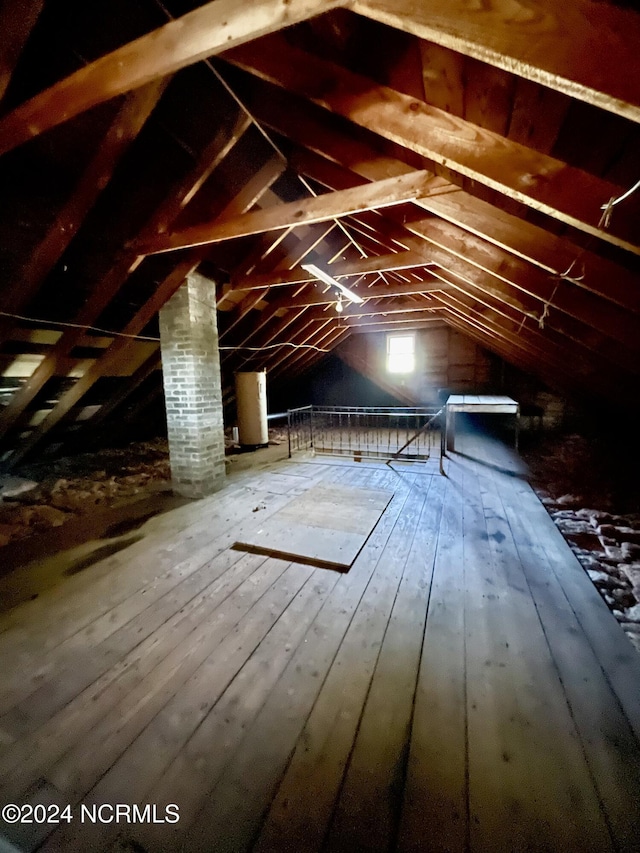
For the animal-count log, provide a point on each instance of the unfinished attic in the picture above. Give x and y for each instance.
(370, 244)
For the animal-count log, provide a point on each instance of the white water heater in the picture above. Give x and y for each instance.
(251, 402)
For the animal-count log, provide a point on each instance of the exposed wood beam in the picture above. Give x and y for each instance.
(310, 336)
(338, 269)
(246, 198)
(17, 19)
(556, 367)
(260, 255)
(461, 268)
(458, 251)
(326, 146)
(496, 327)
(565, 46)
(579, 340)
(305, 211)
(293, 257)
(529, 309)
(304, 359)
(509, 352)
(536, 180)
(204, 32)
(406, 318)
(250, 301)
(410, 326)
(307, 363)
(469, 258)
(376, 291)
(542, 344)
(128, 261)
(263, 331)
(394, 309)
(553, 254)
(123, 130)
(153, 363)
(296, 255)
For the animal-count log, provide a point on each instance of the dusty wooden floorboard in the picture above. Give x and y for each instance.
(123, 760)
(302, 807)
(447, 693)
(197, 769)
(607, 744)
(434, 813)
(368, 808)
(529, 785)
(49, 639)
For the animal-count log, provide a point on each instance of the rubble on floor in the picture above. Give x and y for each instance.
(571, 477)
(49, 495)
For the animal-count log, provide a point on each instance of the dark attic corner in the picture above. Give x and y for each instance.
(319, 371)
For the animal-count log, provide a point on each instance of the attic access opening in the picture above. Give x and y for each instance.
(325, 527)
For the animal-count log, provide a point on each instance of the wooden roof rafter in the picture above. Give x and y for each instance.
(124, 265)
(123, 130)
(563, 46)
(244, 200)
(201, 33)
(472, 260)
(536, 180)
(306, 211)
(320, 148)
(467, 248)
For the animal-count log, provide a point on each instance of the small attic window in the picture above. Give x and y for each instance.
(401, 352)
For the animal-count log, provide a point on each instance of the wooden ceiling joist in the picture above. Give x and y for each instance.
(338, 270)
(204, 32)
(303, 212)
(376, 291)
(539, 181)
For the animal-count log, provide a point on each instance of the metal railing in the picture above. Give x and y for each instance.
(363, 432)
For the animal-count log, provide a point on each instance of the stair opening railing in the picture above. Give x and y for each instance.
(364, 432)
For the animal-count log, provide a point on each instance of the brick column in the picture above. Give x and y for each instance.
(191, 371)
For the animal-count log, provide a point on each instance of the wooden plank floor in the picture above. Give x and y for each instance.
(461, 688)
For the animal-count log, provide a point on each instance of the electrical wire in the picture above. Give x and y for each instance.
(147, 338)
(275, 346)
(107, 332)
(604, 222)
(607, 209)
